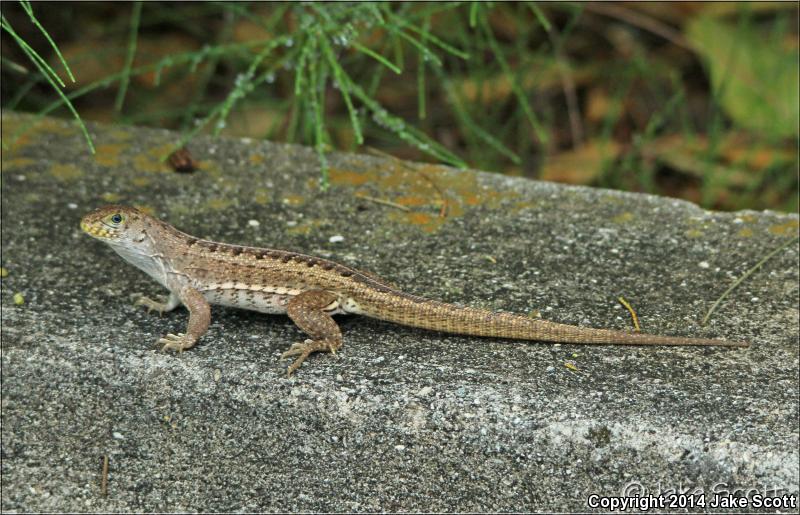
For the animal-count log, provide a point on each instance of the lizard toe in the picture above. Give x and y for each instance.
(177, 342)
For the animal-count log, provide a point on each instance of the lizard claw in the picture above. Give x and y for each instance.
(151, 304)
(177, 342)
(303, 349)
(297, 348)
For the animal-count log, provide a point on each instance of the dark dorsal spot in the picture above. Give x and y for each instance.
(191, 241)
(265, 253)
(311, 262)
(211, 247)
(235, 251)
(345, 273)
(286, 258)
(328, 265)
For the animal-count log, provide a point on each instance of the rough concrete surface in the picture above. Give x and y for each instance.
(400, 419)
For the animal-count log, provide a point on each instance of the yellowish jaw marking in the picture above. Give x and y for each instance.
(93, 230)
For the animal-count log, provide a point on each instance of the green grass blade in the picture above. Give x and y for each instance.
(377, 57)
(49, 73)
(474, 7)
(29, 11)
(426, 52)
(515, 85)
(406, 132)
(126, 70)
(171, 60)
(343, 80)
(51, 76)
(433, 39)
(469, 124)
(540, 17)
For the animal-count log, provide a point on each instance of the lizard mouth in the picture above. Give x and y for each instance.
(97, 231)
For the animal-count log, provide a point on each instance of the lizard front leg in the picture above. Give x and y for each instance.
(307, 311)
(199, 318)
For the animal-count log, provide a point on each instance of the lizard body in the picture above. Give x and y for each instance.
(199, 272)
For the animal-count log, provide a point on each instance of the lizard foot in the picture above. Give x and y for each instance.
(177, 342)
(303, 349)
(151, 304)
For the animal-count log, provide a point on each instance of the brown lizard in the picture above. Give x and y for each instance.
(198, 273)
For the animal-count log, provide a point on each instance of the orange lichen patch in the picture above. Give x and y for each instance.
(66, 172)
(108, 155)
(15, 163)
(210, 168)
(16, 144)
(152, 160)
(522, 206)
(424, 221)
(294, 200)
(472, 200)
(418, 218)
(455, 210)
(412, 201)
(623, 218)
(434, 193)
(304, 228)
(262, 196)
(55, 126)
(256, 159)
(613, 199)
(694, 233)
(745, 233)
(11, 125)
(348, 177)
(120, 135)
(112, 198)
(788, 228)
(480, 196)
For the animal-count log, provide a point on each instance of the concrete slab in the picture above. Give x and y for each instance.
(400, 419)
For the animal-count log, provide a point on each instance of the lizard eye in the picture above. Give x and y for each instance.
(115, 219)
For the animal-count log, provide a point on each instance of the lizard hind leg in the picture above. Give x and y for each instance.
(307, 311)
(161, 307)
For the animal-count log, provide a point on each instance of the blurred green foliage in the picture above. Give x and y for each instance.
(692, 100)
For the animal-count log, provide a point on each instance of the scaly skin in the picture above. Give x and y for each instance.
(199, 273)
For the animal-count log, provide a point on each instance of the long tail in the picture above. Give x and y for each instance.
(416, 311)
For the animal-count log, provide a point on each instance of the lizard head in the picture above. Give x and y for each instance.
(132, 234)
(116, 225)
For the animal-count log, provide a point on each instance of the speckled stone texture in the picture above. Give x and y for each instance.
(399, 419)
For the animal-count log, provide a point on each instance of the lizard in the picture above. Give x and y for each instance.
(309, 290)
